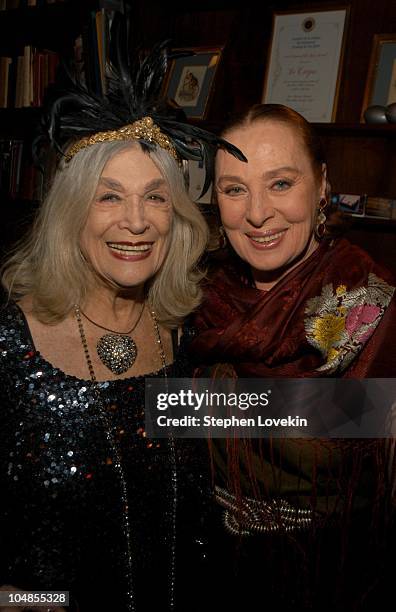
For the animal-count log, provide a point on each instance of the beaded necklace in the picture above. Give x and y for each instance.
(117, 462)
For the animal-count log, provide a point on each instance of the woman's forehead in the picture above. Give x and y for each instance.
(267, 143)
(131, 167)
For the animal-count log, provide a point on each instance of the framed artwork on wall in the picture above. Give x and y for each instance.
(381, 77)
(191, 79)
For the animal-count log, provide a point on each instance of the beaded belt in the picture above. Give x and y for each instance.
(255, 516)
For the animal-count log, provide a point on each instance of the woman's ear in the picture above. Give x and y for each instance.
(324, 185)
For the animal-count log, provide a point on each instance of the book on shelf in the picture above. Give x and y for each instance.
(25, 78)
(4, 80)
(381, 208)
(93, 49)
(19, 178)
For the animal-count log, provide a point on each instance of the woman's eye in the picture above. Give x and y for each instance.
(156, 197)
(109, 197)
(281, 185)
(234, 190)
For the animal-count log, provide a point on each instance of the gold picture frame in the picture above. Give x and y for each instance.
(381, 76)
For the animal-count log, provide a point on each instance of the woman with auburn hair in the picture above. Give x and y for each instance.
(97, 297)
(308, 521)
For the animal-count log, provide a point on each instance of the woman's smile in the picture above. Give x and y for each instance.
(130, 251)
(266, 240)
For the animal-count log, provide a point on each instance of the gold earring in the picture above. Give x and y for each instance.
(222, 238)
(320, 227)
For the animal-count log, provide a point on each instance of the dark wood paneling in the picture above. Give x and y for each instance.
(379, 242)
(359, 164)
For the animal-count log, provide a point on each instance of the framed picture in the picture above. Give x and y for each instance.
(305, 61)
(381, 77)
(190, 81)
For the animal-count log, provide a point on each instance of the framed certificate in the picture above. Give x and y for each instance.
(305, 61)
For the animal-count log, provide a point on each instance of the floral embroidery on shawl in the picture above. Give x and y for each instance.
(339, 323)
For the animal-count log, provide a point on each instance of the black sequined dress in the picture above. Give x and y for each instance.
(61, 504)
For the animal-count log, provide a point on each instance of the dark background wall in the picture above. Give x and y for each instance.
(361, 158)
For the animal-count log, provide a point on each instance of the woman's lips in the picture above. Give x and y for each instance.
(130, 251)
(263, 241)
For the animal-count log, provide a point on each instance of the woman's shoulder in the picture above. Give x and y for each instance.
(10, 314)
(14, 334)
(357, 259)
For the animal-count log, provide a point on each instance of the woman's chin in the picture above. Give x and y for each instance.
(276, 256)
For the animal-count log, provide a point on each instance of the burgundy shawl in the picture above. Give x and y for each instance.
(333, 315)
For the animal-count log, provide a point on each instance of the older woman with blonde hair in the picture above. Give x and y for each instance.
(97, 296)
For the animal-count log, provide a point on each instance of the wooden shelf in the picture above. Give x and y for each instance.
(374, 223)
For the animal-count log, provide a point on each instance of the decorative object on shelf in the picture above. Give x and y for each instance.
(304, 67)
(350, 204)
(375, 114)
(381, 208)
(365, 206)
(191, 78)
(381, 78)
(390, 112)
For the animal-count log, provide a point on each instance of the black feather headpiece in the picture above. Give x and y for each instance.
(134, 85)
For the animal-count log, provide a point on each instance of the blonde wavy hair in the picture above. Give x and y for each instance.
(48, 264)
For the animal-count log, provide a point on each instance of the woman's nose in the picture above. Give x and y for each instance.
(133, 216)
(259, 209)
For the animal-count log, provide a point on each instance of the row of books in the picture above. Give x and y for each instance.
(24, 79)
(92, 49)
(19, 178)
(6, 5)
(365, 206)
(111, 5)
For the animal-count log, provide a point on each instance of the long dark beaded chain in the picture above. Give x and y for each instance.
(171, 442)
(120, 470)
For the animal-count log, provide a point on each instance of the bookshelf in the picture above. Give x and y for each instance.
(34, 35)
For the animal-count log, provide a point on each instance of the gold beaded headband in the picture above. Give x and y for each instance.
(142, 129)
(133, 107)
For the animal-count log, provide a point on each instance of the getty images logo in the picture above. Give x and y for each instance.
(209, 399)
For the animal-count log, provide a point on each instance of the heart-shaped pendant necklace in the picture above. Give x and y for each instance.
(116, 350)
